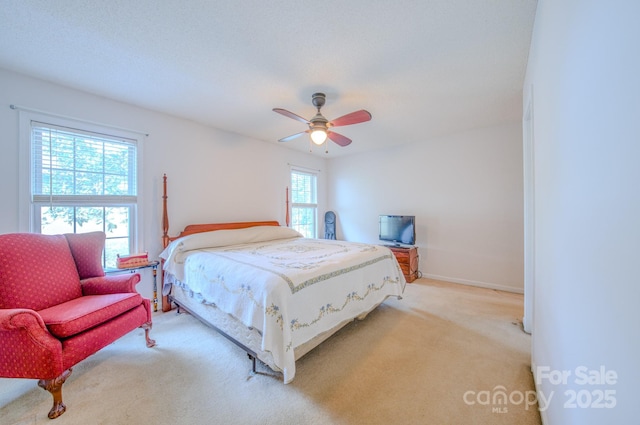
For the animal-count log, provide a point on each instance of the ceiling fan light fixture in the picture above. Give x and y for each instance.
(319, 126)
(318, 136)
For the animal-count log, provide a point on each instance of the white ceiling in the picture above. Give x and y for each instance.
(423, 68)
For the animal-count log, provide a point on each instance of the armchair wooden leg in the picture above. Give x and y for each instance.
(54, 386)
(147, 328)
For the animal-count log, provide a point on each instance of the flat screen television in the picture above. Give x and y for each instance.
(400, 229)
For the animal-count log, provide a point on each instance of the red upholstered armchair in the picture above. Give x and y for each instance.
(57, 307)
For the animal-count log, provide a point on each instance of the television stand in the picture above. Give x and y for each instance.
(407, 259)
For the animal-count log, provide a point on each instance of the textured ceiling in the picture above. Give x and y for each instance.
(423, 68)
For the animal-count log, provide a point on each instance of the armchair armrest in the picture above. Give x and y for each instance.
(110, 284)
(26, 343)
(12, 319)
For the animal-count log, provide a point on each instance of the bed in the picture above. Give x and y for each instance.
(271, 291)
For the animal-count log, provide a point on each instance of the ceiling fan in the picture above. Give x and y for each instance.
(319, 126)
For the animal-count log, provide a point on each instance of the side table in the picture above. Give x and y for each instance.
(154, 267)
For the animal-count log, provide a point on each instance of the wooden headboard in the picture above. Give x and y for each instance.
(198, 228)
(208, 227)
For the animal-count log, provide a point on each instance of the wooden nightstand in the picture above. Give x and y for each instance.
(408, 260)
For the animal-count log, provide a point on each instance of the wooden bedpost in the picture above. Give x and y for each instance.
(165, 215)
(166, 304)
(287, 206)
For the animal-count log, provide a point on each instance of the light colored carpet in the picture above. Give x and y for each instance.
(440, 355)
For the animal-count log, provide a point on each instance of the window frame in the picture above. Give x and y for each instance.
(305, 205)
(30, 205)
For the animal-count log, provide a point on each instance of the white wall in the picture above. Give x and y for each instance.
(465, 191)
(584, 71)
(213, 176)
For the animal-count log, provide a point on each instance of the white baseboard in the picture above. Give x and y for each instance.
(476, 283)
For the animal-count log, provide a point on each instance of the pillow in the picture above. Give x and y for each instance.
(176, 251)
(220, 238)
(86, 249)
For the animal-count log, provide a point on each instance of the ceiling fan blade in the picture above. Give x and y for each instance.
(290, 115)
(339, 138)
(293, 136)
(352, 118)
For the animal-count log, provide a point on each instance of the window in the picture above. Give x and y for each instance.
(82, 181)
(304, 205)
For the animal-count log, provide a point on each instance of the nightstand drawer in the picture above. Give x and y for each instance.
(407, 260)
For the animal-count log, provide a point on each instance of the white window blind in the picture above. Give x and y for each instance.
(69, 164)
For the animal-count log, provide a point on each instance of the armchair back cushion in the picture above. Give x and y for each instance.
(86, 249)
(36, 271)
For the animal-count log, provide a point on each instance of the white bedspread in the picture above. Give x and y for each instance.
(288, 287)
